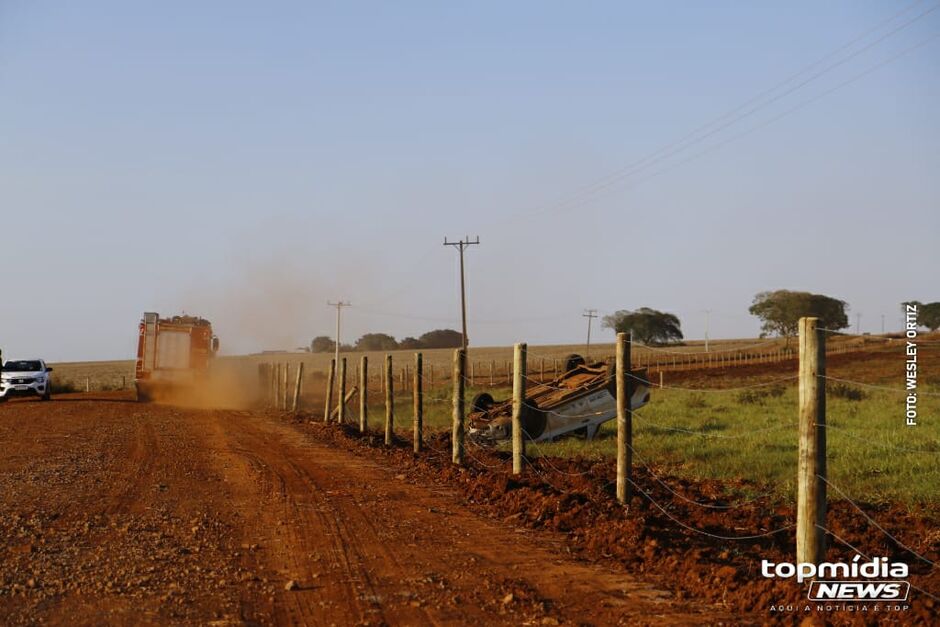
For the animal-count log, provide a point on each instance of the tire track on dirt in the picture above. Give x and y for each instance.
(313, 527)
(367, 547)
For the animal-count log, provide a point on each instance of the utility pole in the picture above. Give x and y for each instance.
(858, 324)
(882, 324)
(339, 308)
(590, 314)
(461, 245)
(707, 316)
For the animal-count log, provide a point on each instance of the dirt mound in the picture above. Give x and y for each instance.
(676, 531)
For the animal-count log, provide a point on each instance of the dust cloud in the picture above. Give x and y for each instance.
(229, 384)
(273, 304)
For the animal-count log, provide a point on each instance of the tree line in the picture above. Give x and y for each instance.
(438, 338)
(778, 310)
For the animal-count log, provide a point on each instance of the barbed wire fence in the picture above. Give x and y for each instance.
(810, 522)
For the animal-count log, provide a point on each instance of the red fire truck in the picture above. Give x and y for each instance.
(173, 354)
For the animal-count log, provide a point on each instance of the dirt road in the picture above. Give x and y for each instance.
(119, 513)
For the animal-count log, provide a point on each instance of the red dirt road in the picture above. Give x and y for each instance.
(119, 513)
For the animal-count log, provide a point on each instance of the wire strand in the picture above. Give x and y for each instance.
(846, 543)
(873, 521)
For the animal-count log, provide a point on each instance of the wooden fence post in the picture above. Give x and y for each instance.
(541, 370)
(460, 362)
(492, 370)
(418, 403)
(286, 393)
(329, 391)
(518, 406)
(389, 400)
(473, 373)
(272, 385)
(276, 391)
(624, 420)
(811, 485)
(341, 410)
(295, 405)
(363, 393)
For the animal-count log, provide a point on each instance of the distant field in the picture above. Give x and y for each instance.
(109, 375)
(93, 375)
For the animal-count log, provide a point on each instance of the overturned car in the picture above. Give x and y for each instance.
(577, 402)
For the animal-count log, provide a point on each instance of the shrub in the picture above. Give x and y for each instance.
(848, 392)
(757, 396)
(751, 397)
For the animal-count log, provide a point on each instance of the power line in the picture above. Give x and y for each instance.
(769, 121)
(584, 195)
(695, 137)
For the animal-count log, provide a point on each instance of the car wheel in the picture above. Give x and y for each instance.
(534, 421)
(481, 402)
(572, 361)
(46, 397)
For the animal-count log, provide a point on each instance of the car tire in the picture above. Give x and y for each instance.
(481, 402)
(572, 361)
(46, 397)
(534, 421)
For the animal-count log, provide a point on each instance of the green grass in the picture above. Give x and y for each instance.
(733, 434)
(438, 407)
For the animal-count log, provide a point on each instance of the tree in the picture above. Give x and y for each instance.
(376, 342)
(410, 343)
(322, 344)
(441, 338)
(780, 311)
(928, 314)
(647, 325)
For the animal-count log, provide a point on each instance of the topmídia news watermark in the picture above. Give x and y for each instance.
(910, 413)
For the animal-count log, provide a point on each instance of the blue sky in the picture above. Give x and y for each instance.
(250, 161)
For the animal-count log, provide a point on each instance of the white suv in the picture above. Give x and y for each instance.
(25, 377)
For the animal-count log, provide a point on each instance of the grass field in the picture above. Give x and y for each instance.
(751, 433)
